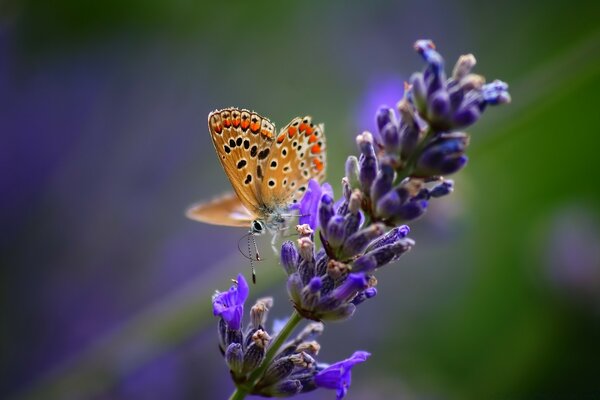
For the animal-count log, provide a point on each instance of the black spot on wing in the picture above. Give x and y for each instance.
(264, 154)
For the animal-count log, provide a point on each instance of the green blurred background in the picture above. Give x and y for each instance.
(106, 286)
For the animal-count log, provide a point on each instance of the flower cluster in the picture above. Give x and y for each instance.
(328, 284)
(289, 370)
(400, 168)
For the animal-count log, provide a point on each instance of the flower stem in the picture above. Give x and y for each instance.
(239, 394)
(294, 320)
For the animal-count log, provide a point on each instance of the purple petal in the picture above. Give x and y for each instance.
(338, 376)
(309, 204)
(229, 305)
(242, 289)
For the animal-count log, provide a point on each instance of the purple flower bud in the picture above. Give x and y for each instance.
(352, 222)
(495, 93)
(365, 263)
(423, 45)
(443, 189)
(438, 158)
(234, 357)
(233, 336)
(434, 75)
(354, 283)
(306, 249)
(230, 305)
(277, 371)
(463, 66)
(359, 241)
(289, 257)
(253, 356)
(390, 137)
(352, 172)
(423, 194)
(411, 210)
(321, 264)
(409, 130)
(355, 201)
(382, 183)
(367, 161)
(384, 116)
(439, 104)
(452, 165)
(306, 270)
(364, 295)
(339, 375)
(311, 293)
(418, 91)
(390, 237)
(294, 287)
(336, 233)
(259, 312)
(390, 252)
(466, 116)
(325, 210)
(389, 205)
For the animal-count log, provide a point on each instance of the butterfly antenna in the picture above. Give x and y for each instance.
(249, 257)
(256, 249)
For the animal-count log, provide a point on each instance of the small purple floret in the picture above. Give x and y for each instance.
(309, 205)
(230, 305)
(339, 375)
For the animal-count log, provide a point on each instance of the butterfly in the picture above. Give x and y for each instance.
(269, 172)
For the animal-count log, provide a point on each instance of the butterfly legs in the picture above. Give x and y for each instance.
(252, 258)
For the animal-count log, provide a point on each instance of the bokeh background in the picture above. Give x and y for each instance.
(105, 286)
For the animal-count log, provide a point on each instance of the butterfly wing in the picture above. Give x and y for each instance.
(226, 210)
(241, 139)
(296, 156)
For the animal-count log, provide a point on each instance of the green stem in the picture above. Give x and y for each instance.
(290, 325)
(239, 394)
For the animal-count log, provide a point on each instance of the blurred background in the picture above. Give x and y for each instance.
(105, 286)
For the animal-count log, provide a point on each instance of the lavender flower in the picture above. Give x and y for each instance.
(338, 376)
(454, 103)
(288, 370)
(398, 171)
(329, 284)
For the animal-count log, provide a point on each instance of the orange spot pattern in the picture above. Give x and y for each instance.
(318, 164)
(266, 133)
(245, 123)
(280, 138)
(312, 139)
(316, 149)
(236, 120)
(226, 118)
(291, 131)
(215, 123)
(255, 127)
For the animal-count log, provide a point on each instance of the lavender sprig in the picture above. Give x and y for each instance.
(399, 170)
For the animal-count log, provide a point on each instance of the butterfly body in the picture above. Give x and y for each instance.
(268, 170)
